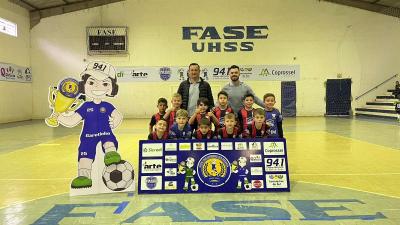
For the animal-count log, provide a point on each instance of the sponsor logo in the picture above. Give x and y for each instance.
(98, 134)
(149, 183)
(171, 146)
(165, 73)
(212, 146)
(255, 158)
(241, 145)
(170, 172)
(184, 147)
(254, 145)
(265, 72)
(152, 166)
(214, 170)
(204, 72)
(275, 164)
(226, 146)
(120, 74)
(246, 72)
(224, 39)
(276, 181)
(199, 146)
(220, 73)
(257, 184)
(181, 73)
(274, 148)
(170, 159)
(140, 75)
(152, 150)
(170, 185)
(256, 171)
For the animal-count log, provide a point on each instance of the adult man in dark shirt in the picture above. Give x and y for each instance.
(193, 88)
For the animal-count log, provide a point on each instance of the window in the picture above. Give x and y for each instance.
(8, 27)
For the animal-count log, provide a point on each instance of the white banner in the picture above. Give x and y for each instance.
(14, 73)
(208, 73)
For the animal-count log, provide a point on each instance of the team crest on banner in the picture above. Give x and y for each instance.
(165, 73)
(214, 169)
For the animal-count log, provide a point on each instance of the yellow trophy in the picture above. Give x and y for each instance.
(63, 98)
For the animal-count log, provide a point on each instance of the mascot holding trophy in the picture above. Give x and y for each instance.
(99, 117)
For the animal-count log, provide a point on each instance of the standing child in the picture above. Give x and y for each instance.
(222, 109)
(245, 114)
(204, 131)
(201, 113)
(273, 117)
(176, 102)
(99, 119)
(257, 129)
(181, 129)
(161, 132)
(162, 105)
(229, 130)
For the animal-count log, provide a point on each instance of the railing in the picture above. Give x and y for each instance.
(376, 86)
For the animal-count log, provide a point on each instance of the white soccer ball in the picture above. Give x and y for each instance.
(194, 187)
(118, 177)
(247, 187)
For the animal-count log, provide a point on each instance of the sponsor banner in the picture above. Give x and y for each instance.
(14, 73)
(274, 148)
(171, 146)
(204, 167)
(152, 150)
(170, 159)
(255, 158)
(152, 166)
(208, 73)
(276, 181)
(275, 164)
(256, 171)
(151, 183)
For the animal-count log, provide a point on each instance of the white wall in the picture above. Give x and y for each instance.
(325, 38)
(15, 98)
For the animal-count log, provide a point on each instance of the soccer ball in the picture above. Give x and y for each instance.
(194, 187)
(247, 187)
(118, 177)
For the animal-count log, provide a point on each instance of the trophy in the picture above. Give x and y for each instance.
(63, 99)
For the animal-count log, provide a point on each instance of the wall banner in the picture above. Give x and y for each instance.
(208, 73)
(14, 73)
(213, 166)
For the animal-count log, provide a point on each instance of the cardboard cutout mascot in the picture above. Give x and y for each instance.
(99, 118)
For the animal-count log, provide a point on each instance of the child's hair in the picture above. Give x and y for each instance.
(248, 95)
(269, 95)
(182, 113)
(222, 93)
(162, 100)
(162, 120)
(230, 116)
(205, 121)
(259, 111)
(203, 100)
(85, 77)
(177, 95)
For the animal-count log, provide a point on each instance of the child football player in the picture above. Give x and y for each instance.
(273, 117)
(201, 112)
(161, 132)
(162, 105)
(99, 119)
(204, 131)
(176, 102)
(229, 130)
(257, 129)
(181, 129)
(222, 108)
(245, 114)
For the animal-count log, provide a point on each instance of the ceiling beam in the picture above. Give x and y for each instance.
(24, 4)
(378, 8)
(37, 15)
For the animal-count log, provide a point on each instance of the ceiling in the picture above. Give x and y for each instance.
(39, 9)
(387, 7)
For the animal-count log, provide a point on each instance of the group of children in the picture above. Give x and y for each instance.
(217, 123)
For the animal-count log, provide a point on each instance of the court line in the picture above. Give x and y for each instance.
(23, 202)
(35, 179)
(353, 189)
